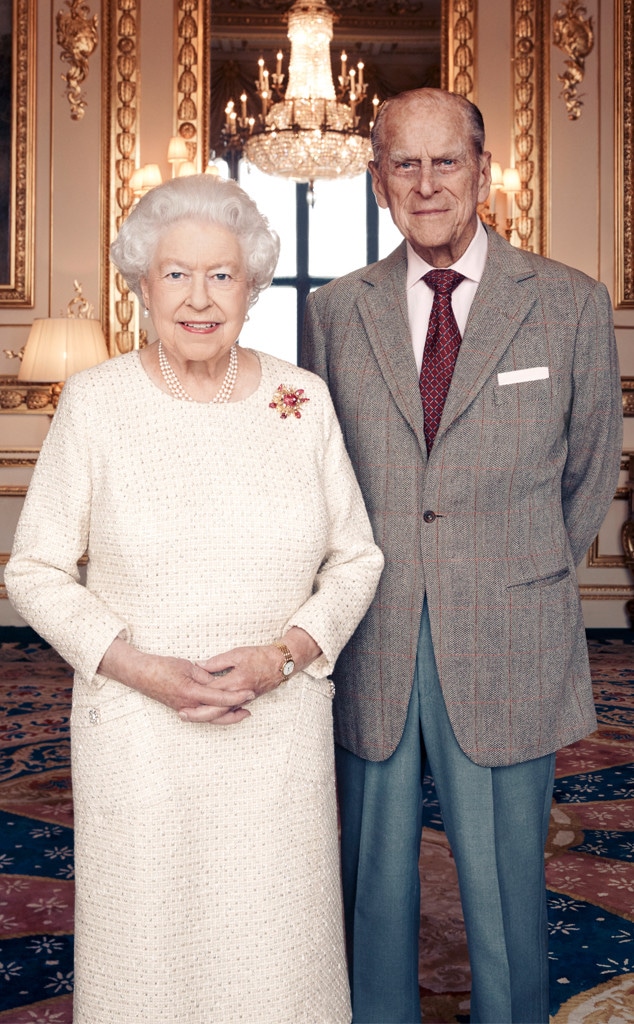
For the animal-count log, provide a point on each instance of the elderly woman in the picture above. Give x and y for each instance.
(229, 560)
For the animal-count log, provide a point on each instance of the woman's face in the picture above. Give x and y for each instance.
(196, 290)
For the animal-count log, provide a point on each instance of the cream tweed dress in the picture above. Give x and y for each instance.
(207, 862)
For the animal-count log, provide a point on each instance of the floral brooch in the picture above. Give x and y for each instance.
(287, 402)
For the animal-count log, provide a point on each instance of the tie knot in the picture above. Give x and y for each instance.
(443, 282)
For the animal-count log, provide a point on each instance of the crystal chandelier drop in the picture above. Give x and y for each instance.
(309, 131)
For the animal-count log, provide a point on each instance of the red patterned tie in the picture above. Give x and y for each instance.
(441, 349)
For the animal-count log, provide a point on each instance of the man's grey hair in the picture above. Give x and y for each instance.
(431, 96)
(204, 198)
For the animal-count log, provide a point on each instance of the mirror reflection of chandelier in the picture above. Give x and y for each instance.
(309, 131)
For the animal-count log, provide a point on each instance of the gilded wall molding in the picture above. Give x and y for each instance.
(20, 396)
(21, 457)
(573, 34)
(458, 47)
(17, 291)
(531, 117)
(594, 558)
(605, 592)
(77, 37)
(192, 53)
(624, 156)
(121, 75)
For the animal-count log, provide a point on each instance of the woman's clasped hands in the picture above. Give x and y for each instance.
(215, 690)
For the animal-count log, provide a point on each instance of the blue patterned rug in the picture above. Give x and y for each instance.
(590, 854)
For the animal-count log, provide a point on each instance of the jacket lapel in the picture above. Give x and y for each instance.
(501, 304)
(383, 311)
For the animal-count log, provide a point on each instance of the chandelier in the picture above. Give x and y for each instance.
(308, 131)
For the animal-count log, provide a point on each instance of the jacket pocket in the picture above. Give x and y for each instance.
(542, 581)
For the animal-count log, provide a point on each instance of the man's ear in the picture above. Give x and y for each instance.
(484, 184)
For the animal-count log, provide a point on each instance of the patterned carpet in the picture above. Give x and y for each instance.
(590, 867)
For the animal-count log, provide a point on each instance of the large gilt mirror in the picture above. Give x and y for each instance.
(217, 43)
(328, 225)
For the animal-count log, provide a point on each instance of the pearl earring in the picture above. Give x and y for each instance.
(146, 312)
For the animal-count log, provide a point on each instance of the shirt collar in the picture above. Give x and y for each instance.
(471, 263)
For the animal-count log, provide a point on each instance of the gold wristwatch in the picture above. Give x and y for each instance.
(288, 665)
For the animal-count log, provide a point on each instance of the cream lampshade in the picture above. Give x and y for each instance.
(60, 346)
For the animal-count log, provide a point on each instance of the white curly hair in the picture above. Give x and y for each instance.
(201, 197)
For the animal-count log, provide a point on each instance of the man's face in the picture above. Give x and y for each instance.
(430, 176)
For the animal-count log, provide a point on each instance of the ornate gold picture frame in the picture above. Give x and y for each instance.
(17, 152)
(624, 117)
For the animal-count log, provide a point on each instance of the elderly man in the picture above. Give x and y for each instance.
(478, 389)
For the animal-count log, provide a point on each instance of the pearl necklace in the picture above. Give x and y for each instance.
(177, 389)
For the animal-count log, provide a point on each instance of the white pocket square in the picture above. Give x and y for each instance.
(520, 376)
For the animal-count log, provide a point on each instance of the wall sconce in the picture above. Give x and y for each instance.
(60, 346)
(507, 181)
(488, 209)
(149, 175)
(177, 153)
(511, 184)
(145, 178)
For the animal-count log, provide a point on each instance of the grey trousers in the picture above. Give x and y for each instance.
(496, 820)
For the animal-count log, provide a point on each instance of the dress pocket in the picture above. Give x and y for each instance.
(117, 763)
(311, 756)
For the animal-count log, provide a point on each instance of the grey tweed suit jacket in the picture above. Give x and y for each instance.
(492, 526)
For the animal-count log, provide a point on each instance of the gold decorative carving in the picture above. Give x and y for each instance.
(17, 290)
(531, 117)
(21, 457)
(573, 34)
(192, 69)
(627, 388)
(77, 37)
(18, 396)
(120, 75)
(458, 46)
(624, 156)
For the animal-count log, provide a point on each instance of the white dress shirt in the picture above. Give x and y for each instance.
(420, 296)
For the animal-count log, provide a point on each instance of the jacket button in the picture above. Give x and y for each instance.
(429, 516)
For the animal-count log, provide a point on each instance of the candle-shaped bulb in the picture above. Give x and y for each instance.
(278, 69)
(243, 105)
(360, 66)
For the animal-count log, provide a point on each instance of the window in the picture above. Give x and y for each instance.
(343, 230)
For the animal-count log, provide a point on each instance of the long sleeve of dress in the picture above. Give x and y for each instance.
(42, 576)
(347, 579)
